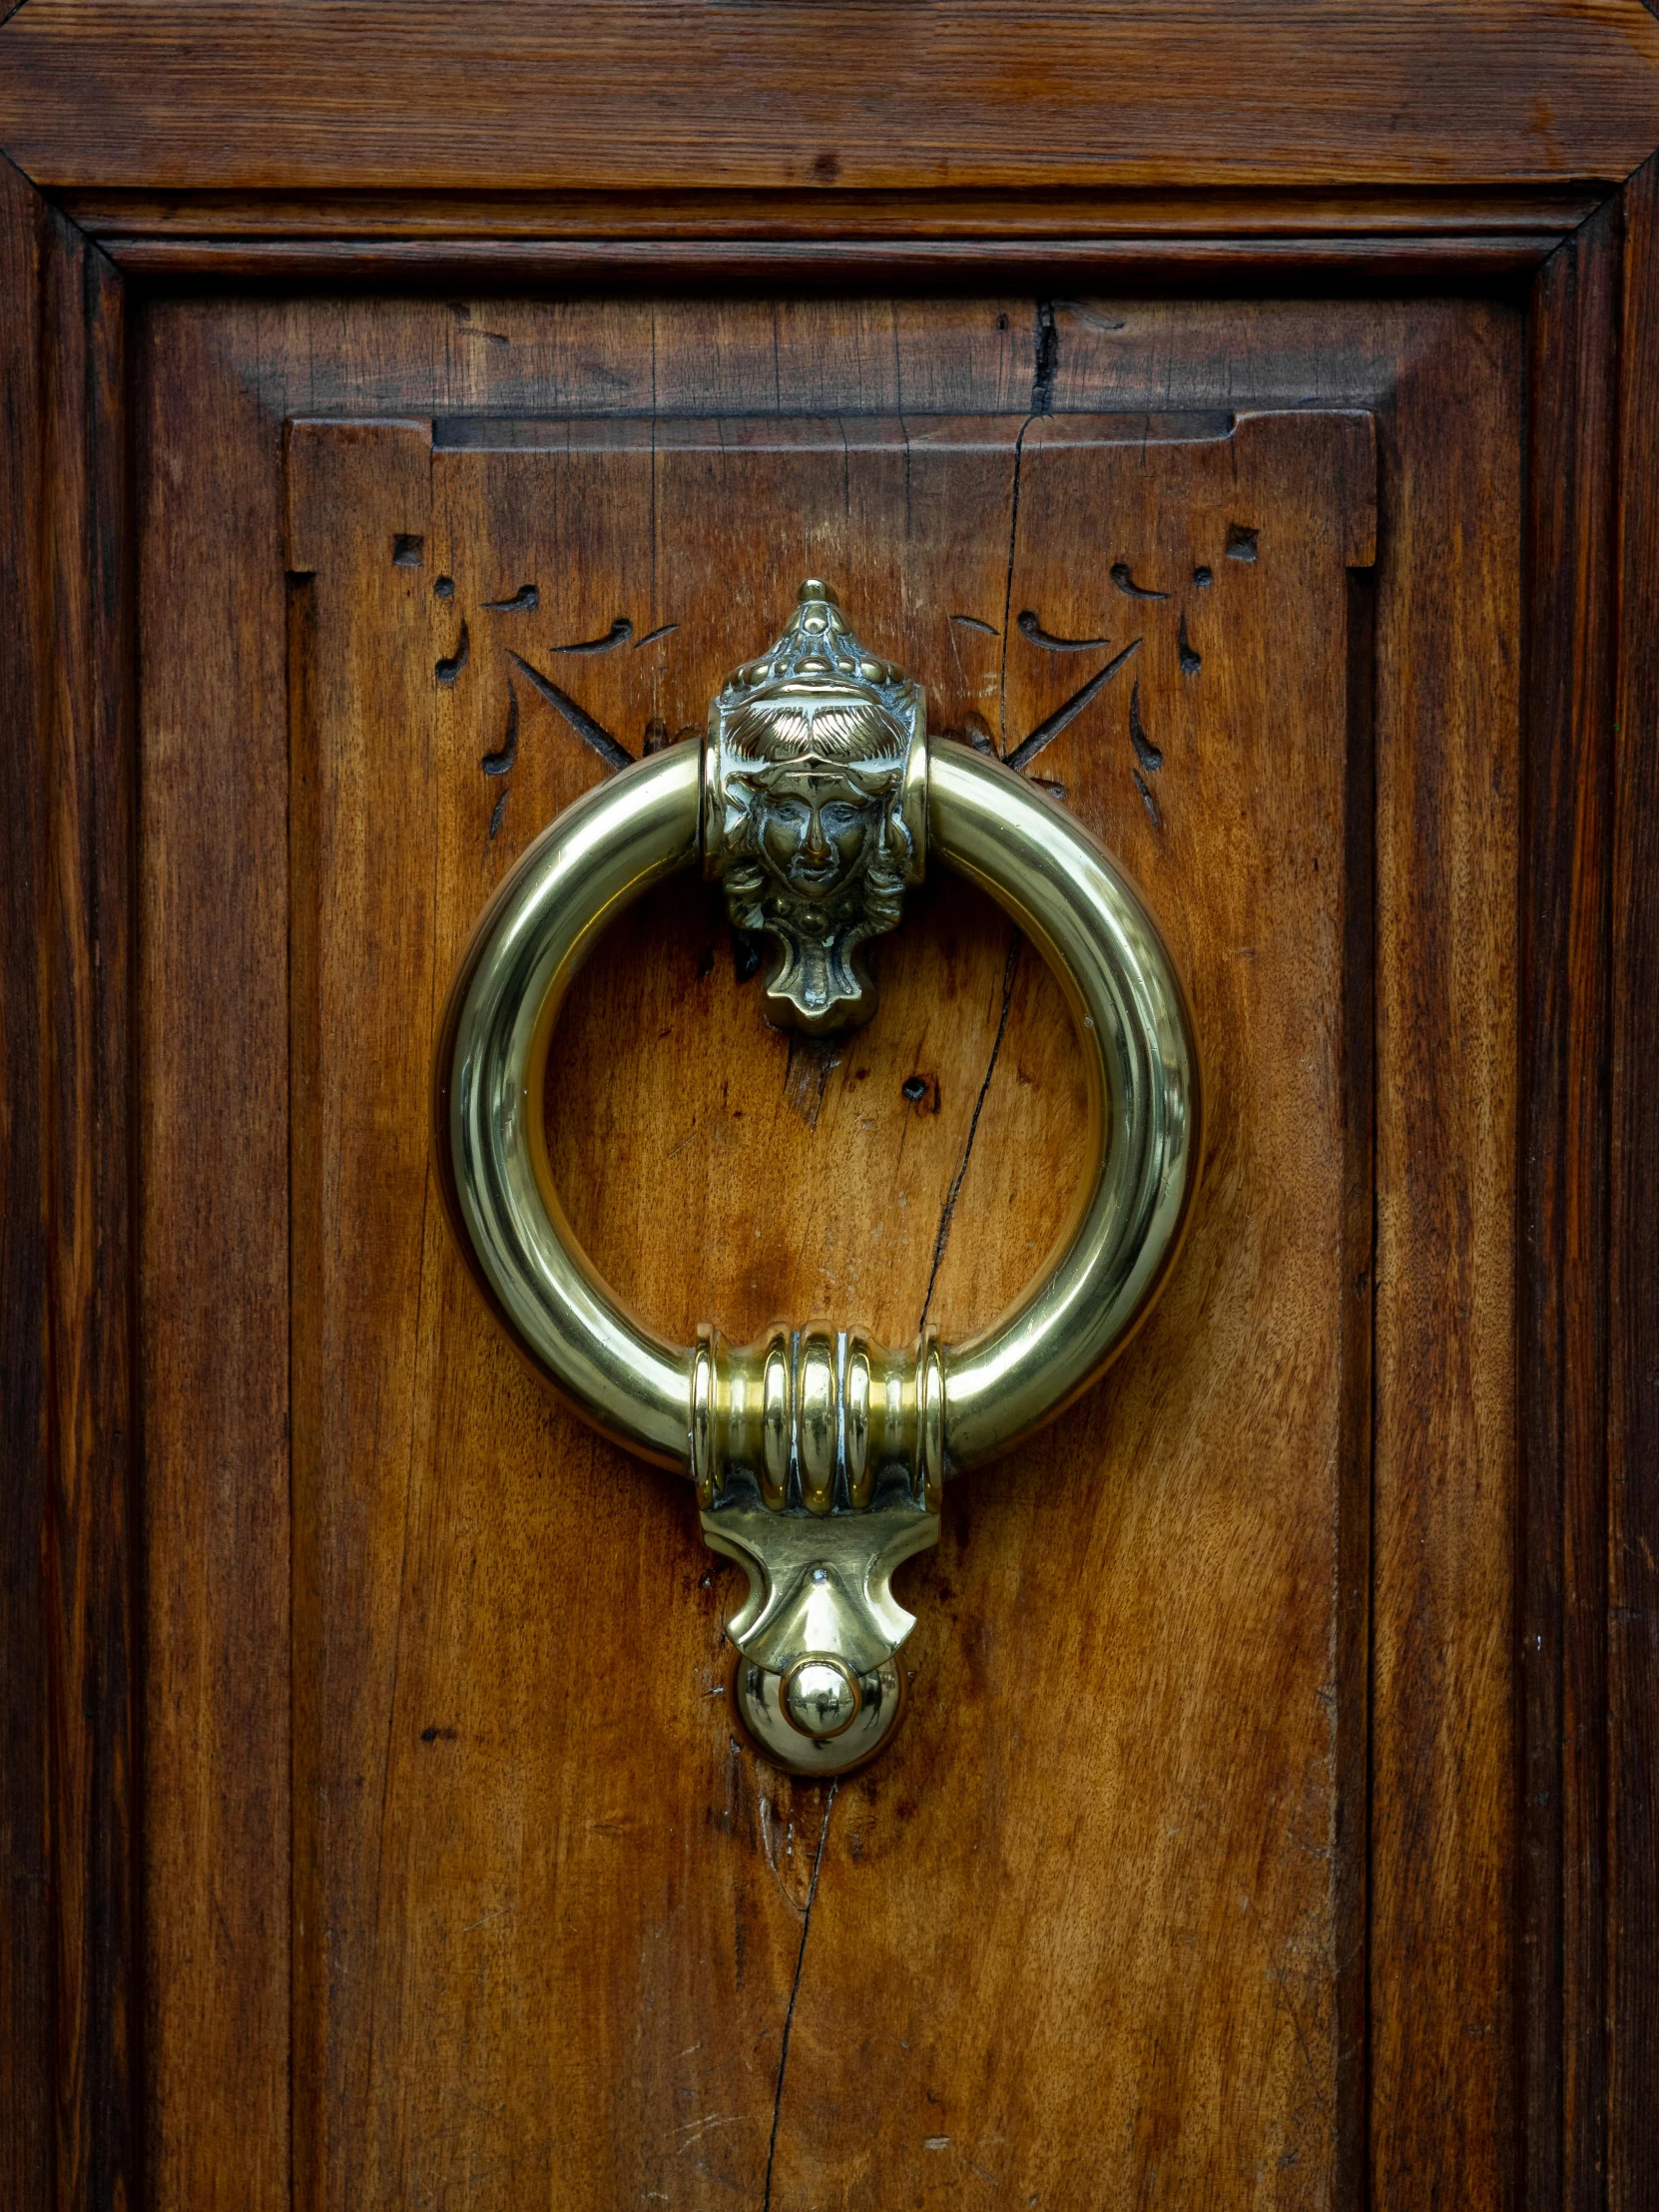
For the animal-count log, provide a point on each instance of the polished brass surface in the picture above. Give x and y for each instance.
(1141, 1068)
(820, 1697)
(812, 1413)
(491, 1139)
(818, 1454)
(821, 1585)
(762, 1701)
(815, 808)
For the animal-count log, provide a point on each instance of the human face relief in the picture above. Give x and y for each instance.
(815, 828)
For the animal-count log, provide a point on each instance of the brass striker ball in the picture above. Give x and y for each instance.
(821, 1696)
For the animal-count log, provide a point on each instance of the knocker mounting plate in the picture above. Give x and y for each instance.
(814, 808)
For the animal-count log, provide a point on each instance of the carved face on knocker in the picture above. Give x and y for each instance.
(812, 806)
(816, 831)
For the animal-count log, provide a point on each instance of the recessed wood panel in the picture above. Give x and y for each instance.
(551, 1911)
(1430, 2011)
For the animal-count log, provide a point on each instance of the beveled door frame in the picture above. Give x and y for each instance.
(1587, 264)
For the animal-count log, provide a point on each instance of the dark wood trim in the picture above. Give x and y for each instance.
(92, 1093)
(27, 2072)
(1356, 1523)
(1632, 1752)
(1080, 238)
(1374, 260)
(1567, 849)
(1419, 211)
(68, 1794)
(550, 94)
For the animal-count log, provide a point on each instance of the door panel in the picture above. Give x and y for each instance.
(1096, 1922)
(550, 1908)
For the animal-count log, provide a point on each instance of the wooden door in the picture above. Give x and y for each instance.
(1268, 1821)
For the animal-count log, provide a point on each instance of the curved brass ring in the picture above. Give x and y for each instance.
(1061, 888)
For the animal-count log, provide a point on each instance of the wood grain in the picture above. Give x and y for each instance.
(87, 959)
(1442, 1604)
(1136, 1533)
(195, 93)
(1443, 377)
(1056, 237)
(216, 382)
(1632, 1985)
(1430, 211)
(1572, 485)
(1491, 2038)
(1063, 260)
(362, 1000)
(1439, 2057)
(69, 1789)
(471, 1545)
(27, 1934)
(212, 1140)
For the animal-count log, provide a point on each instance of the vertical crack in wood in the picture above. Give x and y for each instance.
(950, 1208)
(1046, 364)
(794, 1991)
(1008, 596)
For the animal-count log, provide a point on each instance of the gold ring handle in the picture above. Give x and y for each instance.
(490, 1144)
(819, 1455)
(1141, 1069)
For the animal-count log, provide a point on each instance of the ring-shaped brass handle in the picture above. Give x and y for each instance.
(819, 1456)
(1141, 1072)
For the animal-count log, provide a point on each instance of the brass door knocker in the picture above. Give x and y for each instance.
(819, 1455)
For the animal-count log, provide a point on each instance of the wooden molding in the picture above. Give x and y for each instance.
(799, 263)
(1572, 631)
(808, 238)
(1630, 1959)
(68, 761)
(977, 219)
(270, 95)
(27, 2086)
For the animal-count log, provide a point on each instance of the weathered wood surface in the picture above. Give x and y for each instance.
(544, 1931)
(213, 1323)
(66, 1230)
(1632, 1616)
(1446, 1492)
(1501, 2025)
(1445, 379)
(971, 222)
(1565, 999)
(87, 966)
(201, 94)
(27, 2084)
